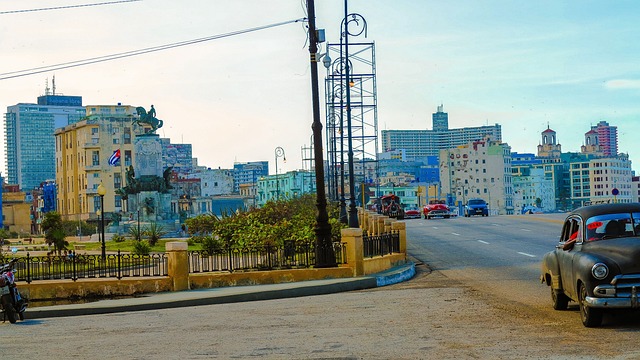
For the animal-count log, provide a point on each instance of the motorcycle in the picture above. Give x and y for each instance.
(12, 304)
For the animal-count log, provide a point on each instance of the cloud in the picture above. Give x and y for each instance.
(622, 84)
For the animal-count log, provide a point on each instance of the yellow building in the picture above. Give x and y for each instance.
(16, 211)
(83, 150)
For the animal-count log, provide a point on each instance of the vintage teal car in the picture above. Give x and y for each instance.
(597, 261)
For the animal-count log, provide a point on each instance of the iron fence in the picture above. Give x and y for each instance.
(75, 266)
(291, 255)
(380, 245)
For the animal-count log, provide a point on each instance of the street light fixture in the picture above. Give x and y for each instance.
(102, 191)
(279, 153)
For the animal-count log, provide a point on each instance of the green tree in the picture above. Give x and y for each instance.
(54, 233)
(538, 202)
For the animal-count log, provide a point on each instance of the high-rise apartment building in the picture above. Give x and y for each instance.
(420, 143)
(607, 138)
(29, 137)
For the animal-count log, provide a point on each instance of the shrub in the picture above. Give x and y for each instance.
(141, 248)
(154, 231)
(212, 244)
(118, 238)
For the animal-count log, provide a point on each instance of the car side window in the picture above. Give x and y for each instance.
(571, 230)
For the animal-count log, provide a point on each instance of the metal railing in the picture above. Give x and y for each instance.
(288, 256)
(74, 266)
(380, 245)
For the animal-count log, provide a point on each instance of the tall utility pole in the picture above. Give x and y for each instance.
(325, 255)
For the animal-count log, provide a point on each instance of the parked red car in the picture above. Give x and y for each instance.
(412, 214)
(436, 208)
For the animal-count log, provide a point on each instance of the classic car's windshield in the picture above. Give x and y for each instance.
(612, 226)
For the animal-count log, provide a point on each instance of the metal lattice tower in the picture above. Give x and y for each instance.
(364, 115)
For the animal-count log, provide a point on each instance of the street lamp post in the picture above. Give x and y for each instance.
(279, 153)
(325, 256)
(102, 191)
(357, 20)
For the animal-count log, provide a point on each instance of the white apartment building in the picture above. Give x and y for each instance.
(529, 188)
(479, 169)
(610, 180)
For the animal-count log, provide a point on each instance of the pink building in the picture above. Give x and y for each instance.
(607, 138)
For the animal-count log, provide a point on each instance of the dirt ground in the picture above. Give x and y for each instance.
(428, 317)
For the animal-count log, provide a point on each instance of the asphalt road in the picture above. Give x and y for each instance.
(477, 296)
(499, 253)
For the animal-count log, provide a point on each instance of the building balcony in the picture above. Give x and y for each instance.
(92, 168)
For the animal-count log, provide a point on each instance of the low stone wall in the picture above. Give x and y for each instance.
(179, 278)
(378, 264)
(213, 280)
(93, 288)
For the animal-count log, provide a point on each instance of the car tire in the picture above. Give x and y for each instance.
(559, 299)
(591, 317)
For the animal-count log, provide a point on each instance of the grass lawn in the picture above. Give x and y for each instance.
(127, 245)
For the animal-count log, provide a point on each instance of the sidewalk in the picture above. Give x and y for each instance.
(226, 295)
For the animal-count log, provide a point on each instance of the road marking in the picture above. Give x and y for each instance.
(525, 229)
(484, 242)
(525, 254)
(494, 224)
(456, 234)
(435, 227)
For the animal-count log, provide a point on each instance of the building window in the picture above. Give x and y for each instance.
(117, 180)
(127, 158)
(95, 158)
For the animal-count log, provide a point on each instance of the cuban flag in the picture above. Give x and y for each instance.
(114, 158)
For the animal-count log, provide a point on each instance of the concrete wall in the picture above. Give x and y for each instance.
(179, 279)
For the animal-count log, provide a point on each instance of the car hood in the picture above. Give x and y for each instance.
(625, 252)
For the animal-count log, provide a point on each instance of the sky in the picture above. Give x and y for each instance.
(523, 65)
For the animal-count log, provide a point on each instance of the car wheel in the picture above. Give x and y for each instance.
(559, 299)
(591, 317)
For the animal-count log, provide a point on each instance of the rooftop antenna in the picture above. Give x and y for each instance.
(46, 87)
(53, 82)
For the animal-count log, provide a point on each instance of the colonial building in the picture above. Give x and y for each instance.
(285, 186)
(97, 149)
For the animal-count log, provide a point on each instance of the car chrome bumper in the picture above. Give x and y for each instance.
(629, 302)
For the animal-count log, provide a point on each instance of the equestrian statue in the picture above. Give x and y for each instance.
(147, 118)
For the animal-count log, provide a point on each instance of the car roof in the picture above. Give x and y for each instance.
(601, 209)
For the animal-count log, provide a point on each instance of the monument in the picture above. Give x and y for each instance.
(147, 184)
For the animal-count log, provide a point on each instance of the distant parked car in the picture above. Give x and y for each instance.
(412, 213)
(476, 207)
(597, 262)
(436, 208)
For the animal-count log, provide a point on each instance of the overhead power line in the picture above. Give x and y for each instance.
(65, 7)
(70, 64)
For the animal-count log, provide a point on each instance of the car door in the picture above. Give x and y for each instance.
(566, 254)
